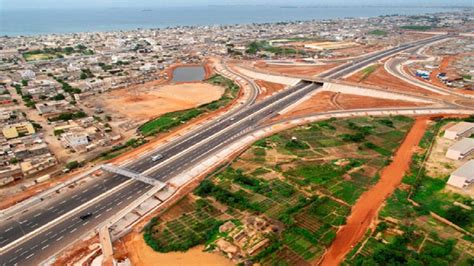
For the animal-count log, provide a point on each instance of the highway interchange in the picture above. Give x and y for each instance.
(100, 198)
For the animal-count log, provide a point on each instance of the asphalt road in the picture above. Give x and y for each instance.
(203, 143)
(166, 170)
(348, 68)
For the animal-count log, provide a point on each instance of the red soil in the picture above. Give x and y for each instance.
(350, 101)
(330, 101)
(294, 69)
(268, 88)
(366, 209)
(380, 76)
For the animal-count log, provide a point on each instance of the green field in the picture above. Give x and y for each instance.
(416, 27)
(378, 32)
(170, 120)
(304, 179)
(54, 53)
(257, 46)
(408, 234)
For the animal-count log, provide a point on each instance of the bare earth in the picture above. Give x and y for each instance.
(380, 76)
(294, 69)
(268, 88)
(330, 101)
(366, 208)
(147, 103)
(141, 254)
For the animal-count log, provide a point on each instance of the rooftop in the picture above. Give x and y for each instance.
(463, 146)
(461, 127)
(466, 171)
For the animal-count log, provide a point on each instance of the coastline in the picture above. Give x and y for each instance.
(65, 21)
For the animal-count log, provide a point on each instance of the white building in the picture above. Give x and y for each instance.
(461, 149)
(460, 130)
(28, 75)
(463, 176)
(75, 140)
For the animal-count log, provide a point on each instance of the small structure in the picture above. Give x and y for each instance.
(463, 176)
(461, 149)
(460, 130)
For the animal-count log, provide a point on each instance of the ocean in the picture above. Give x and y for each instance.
(15, 22)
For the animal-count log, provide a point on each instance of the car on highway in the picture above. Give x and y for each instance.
(157, 157)
(86, 216)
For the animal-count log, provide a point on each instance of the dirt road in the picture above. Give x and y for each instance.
(366, 208)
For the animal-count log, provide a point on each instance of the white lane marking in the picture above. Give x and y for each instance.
(120, 202)
(44, 241)
(129, 197)
(98, 215)
(74, 196)
(73, 230)
(109, 209)
(8, 229)
(48, 233)
(84, 224)
(33, 247)
(18, 250)
(45, 247)
(22, 222)
(62, 202)
(59, 238)
(29, 256)
(38, 214)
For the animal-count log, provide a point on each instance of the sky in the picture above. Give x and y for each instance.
(9, 4)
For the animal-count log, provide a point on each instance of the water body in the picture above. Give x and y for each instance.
(15, 22)
(189, 73)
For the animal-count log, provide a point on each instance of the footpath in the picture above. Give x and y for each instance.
(367, 207)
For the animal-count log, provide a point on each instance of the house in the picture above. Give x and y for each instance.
(461, 149)
(460, 130)
(463, 176)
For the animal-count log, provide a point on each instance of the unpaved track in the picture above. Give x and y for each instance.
(366, 208)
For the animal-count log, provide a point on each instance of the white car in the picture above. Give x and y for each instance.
(157, 157)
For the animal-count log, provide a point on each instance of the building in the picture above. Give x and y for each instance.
(75, 140)
(461, 149)
(460, 130)
(18, 129)
(463, 176)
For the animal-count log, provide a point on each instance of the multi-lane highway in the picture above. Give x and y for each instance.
(178, 156)
(355, 65)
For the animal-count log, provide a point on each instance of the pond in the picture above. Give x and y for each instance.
(189, 73)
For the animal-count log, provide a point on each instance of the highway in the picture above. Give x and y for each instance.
(178, 155)
(228, 128)
(355, 65)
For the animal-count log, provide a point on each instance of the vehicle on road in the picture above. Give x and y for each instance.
(86, 216)
(157, 157)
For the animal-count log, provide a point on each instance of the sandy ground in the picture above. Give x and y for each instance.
(366, 208)
(268, 88)
(141, 254)
(380, 76)
(147, 103)
(438, 165)
(329, 101)
(294, 70)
